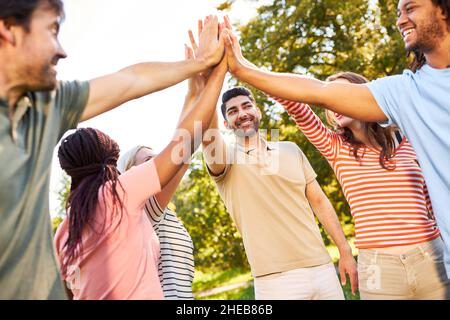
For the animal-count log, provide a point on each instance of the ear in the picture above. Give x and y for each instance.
(442, 14)
(6, 34)
(225, 123)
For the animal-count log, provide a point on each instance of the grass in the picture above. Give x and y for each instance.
(215, 278)
(245, 293)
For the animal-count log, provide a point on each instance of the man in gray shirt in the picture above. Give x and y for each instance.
(35, 111)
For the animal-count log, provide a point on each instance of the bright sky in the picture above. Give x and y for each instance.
(103, 36)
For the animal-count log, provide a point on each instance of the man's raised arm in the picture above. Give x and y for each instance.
(352, 100)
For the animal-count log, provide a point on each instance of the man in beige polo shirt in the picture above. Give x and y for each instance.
(271, 192)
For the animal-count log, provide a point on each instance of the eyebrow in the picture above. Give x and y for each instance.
(242, 104)
(404, 5)
(231, 108)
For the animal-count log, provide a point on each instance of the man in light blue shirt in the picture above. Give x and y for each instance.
(418, 101)
(419, 104)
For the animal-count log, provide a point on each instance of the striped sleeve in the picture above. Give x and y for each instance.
(324, 139)
(154, 211)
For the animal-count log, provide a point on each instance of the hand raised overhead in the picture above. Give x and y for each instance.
(211, 44)
(233, 51)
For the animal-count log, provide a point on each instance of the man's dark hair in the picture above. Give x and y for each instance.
(232, 93)
(19, 12)
(419, 57)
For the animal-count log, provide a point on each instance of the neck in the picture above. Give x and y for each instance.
(10, 90)
(252, 141)
(439, 58)
(357, 129)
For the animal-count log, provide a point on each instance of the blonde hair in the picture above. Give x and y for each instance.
(128, 159)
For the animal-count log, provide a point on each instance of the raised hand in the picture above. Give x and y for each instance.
(233, 51)
(197, 83)
(211, 46)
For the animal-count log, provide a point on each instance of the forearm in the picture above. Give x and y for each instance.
(327, 216)
(168, 191)
(154, 76)
(136, 81)
(352, 100)
(324, 139)
(184, 142)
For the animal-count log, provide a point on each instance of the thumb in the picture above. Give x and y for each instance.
(227, 41)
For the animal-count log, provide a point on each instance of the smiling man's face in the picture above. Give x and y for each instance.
(38, 50)
(421, 25)
(242, 116)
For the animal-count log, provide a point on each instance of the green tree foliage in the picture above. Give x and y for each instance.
(63, 194)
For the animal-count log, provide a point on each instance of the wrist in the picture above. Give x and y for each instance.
(240, 70)
(345, 250)
(203, 63)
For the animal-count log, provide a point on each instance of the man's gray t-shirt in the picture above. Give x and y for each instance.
(28, 267)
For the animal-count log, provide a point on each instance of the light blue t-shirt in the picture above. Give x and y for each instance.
(419, 104)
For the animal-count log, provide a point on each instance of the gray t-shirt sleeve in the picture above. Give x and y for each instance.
(71, 99)
(387, 93)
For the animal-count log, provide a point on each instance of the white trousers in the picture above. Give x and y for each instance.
(315, 283)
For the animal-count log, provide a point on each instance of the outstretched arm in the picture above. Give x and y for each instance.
(324, 139)
(196, 84)
(133, 82)
(182, 147)
(214, 149)
(354, 100)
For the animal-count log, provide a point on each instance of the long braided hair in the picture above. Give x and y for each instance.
(419, 57)
(89, 157)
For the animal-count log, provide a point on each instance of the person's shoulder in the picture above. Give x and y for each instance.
(283, 145)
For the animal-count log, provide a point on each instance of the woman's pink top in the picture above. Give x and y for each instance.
(119, 261)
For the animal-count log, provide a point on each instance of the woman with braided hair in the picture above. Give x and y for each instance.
(103, 244)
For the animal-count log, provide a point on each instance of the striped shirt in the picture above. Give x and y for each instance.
(390, 207)
(176, 264)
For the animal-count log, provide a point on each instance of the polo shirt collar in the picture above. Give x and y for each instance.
(21, 109)
(263, 145)
(3, 103)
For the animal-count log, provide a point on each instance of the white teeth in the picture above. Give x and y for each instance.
(407, 32)
(244, 123)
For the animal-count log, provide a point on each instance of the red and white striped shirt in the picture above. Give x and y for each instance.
(390, 207)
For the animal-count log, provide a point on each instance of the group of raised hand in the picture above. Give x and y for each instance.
(217, 46)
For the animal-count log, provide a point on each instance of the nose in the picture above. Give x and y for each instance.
(242, 114)
(61, 53)
(401, 20)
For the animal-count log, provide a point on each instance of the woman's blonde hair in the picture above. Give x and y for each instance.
(128, 159)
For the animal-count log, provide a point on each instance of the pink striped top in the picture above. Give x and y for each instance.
(390, 207)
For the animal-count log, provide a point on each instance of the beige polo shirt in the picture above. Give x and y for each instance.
(263, 189)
